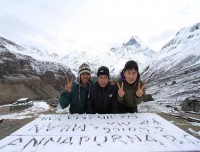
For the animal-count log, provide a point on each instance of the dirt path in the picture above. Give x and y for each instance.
(9, 126)
(182, 123)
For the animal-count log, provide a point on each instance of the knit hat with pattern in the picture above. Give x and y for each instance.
(84, 68)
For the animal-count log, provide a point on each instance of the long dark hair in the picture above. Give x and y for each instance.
(130, 65)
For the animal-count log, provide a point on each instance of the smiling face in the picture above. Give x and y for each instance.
(85, 77)
(131, 76)
(102, 80)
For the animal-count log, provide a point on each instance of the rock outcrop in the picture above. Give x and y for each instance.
(22, 76)
(191, 104)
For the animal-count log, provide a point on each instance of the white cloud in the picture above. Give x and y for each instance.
(94, 25)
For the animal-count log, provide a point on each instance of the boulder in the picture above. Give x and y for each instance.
(191, 104)
(148, 97)
(53, 101)
(173, 82)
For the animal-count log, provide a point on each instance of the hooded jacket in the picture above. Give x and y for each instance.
(77, 98)
(102, 100)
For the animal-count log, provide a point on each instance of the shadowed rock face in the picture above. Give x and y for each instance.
(12, 65)
(191, 104)
(23, 76)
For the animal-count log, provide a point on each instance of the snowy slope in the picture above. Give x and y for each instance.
(174, 73)
(32, 51)
(180, 53)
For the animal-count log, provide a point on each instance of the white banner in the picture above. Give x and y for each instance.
(119, 132)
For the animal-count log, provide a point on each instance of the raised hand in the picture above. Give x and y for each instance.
(121, 92)
(68, 86)
(140, 91)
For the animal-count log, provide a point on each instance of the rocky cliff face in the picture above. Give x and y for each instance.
(23, 76)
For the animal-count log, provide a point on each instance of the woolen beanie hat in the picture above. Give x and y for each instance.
(103, 71)
(84, 68)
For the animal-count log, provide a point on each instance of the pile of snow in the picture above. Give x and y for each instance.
(59, 110)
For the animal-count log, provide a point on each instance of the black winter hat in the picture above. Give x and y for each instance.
(103, 71)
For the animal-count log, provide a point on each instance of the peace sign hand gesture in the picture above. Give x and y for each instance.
(121, 92)
(140, 91)
(68, 86)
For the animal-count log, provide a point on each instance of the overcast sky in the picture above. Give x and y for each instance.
(94, 25)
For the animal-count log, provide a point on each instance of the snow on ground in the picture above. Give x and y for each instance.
(37, 108)
(100, 133)
(156, 106)
(59, 110)
(144, 131)
(41, 106)
(195, 124)
(194, 132)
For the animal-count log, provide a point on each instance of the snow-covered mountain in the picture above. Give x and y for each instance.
(39, 60)
(172, 73)
(175, 72)
(134, 49)
(114, 59)
(74, 59)
(42, 55)
(23, 76)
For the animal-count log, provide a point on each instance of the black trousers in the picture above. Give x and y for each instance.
(124, 109)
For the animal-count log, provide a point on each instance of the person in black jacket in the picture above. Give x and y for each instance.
(103, 95)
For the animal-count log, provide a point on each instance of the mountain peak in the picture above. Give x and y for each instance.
(132, 41)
